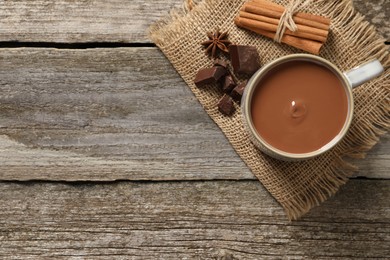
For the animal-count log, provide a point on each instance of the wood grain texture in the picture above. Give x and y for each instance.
(377, 162)
(68, 21)
(378, 13)
(105, 114)
(102, 114)
(188, 220)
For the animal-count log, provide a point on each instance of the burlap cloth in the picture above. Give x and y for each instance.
(297, 186)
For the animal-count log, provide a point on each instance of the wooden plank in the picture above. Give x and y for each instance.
(81, 20)
(188, 220)
(377, 13)
(112, 21)
(377, 162)
(102, 114)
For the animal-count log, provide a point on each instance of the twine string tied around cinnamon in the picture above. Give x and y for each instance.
(286, 20)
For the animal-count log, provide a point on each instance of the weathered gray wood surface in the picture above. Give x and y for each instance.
(188, 220)
(112, 21)
(378, 13)
(61, 117)
(81, 20)
(102, 114)
(105, 114)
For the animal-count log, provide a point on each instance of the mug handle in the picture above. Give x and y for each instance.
(363, 73)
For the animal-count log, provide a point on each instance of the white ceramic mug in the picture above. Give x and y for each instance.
(349, 80)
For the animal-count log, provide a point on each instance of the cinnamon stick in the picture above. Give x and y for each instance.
(269, 13)
(299, 43)
(304, 33)
(271, 24)
(302, 18)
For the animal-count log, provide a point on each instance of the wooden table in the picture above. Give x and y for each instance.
(105, 153)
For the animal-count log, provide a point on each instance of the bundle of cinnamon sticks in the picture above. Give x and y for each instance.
(262, 17)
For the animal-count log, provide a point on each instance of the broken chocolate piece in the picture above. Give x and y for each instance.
(209, 76)
(245, 59)
(226, 106)
(222, 63)
(238, 91)
(228, 84)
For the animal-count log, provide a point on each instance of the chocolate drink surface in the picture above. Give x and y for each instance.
(299, 106)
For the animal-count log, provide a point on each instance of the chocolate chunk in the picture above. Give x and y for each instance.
(228, 84)
(226, 106)
(209, 76)
(222, 63)
(245, 59)
(238, 91)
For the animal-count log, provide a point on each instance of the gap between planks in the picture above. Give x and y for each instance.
(76, 45)
(115, 20)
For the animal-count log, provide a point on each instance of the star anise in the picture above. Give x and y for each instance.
(217, 40)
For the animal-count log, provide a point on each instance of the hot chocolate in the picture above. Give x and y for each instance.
(299, 106)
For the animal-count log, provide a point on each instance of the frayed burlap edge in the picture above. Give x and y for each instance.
(362, 35)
